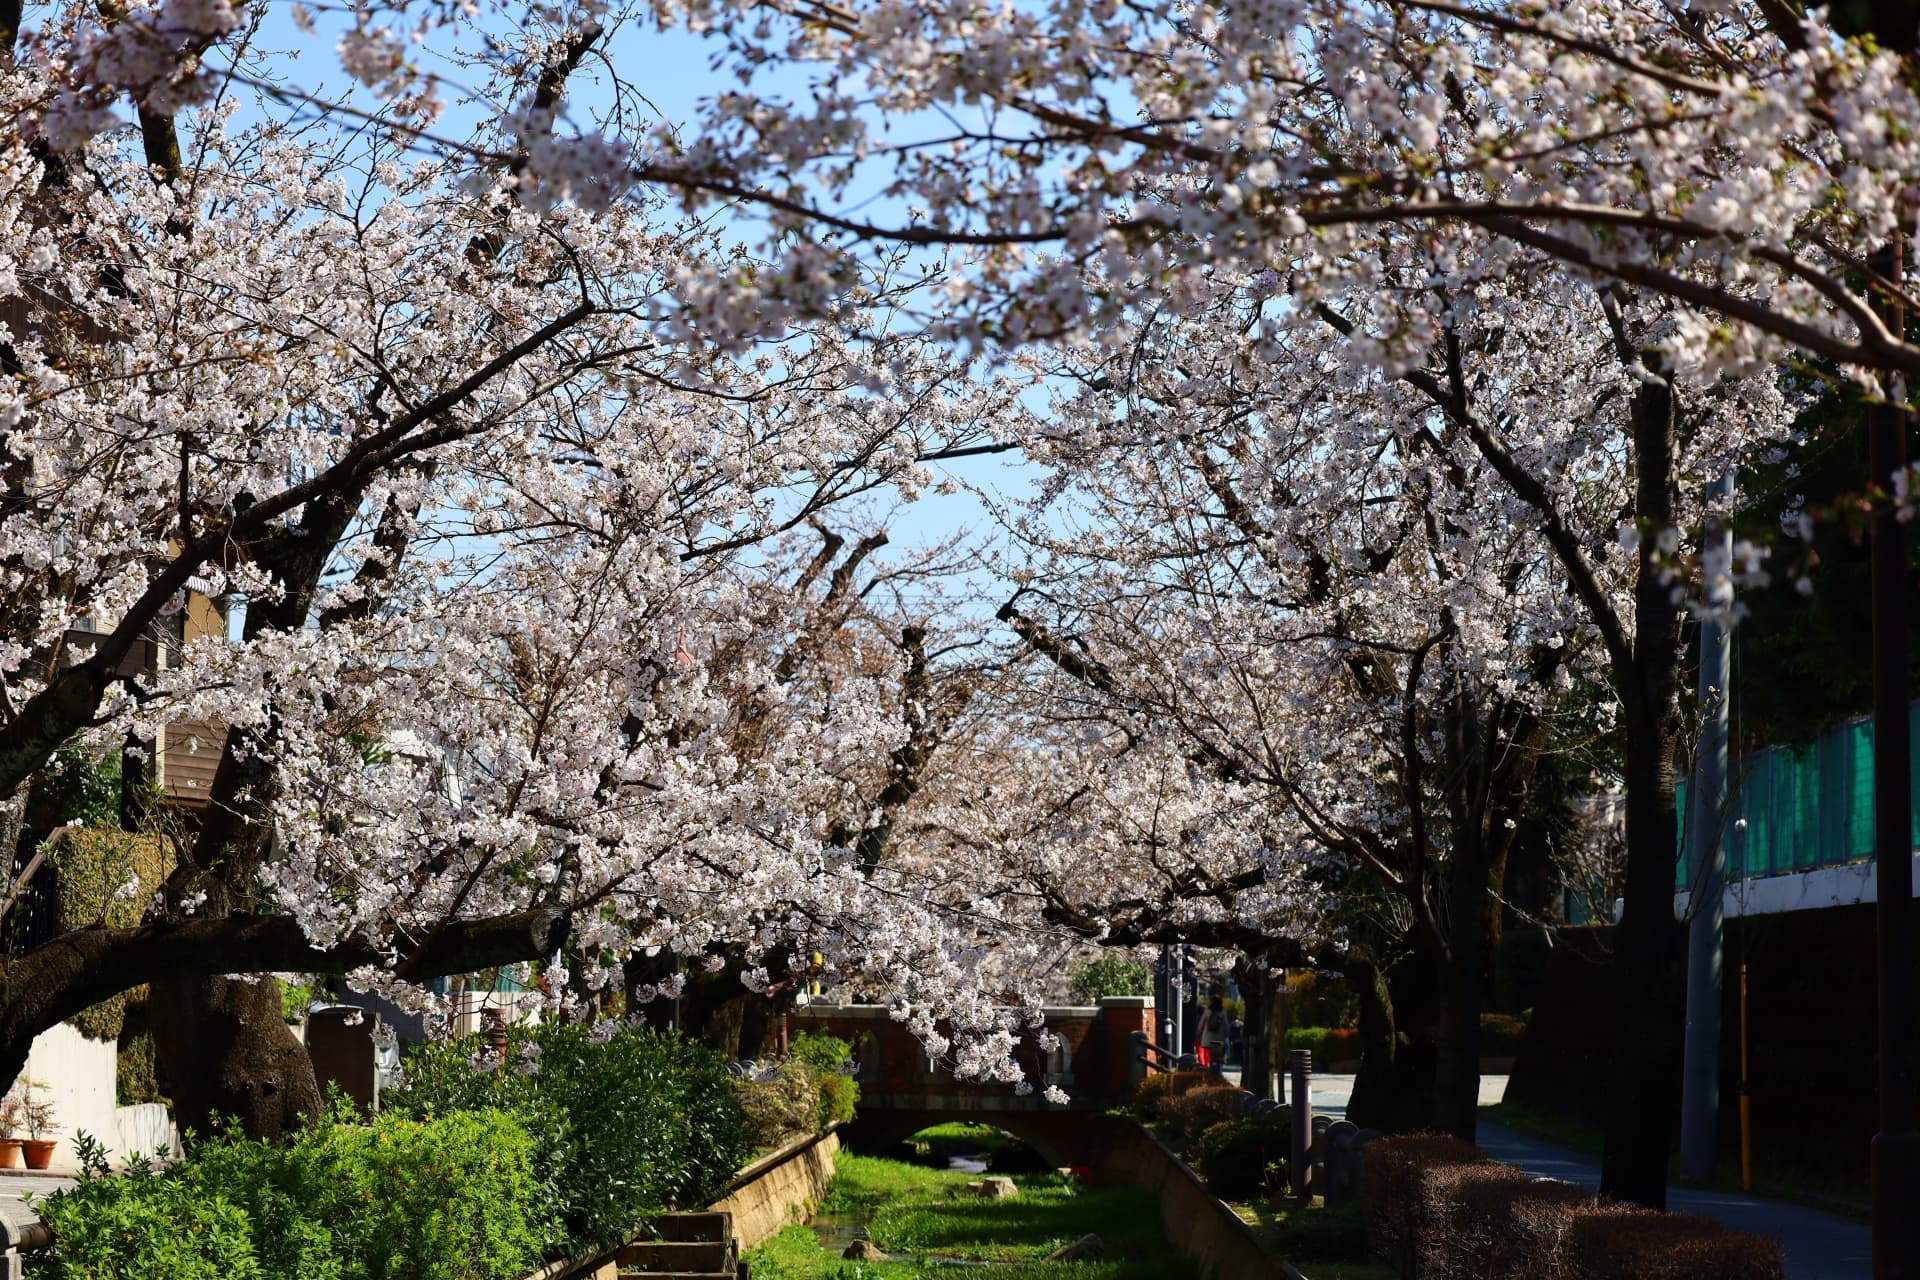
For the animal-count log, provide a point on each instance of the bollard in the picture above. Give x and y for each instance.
(1300, 1076)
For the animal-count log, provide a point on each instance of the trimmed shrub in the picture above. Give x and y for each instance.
(1190, 1114)
(1438, 1210)
(1241, 1159)
(1394, 1171)
(1158, 1087)
(1619, 1242)
(1149, 1094)
(1491, 1222)
(1501, 1035)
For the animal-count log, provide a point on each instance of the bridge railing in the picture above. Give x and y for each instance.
(1156, 1057)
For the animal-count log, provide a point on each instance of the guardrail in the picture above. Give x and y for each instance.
(1157, 1057)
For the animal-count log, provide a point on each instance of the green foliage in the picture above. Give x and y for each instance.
(143, 1224)
(106, 877)
(1184, 1117)
(135, 1080)
(294, 999)
(1243, 1158)
(781, 1100)
(1327, 1044)
(828, 1057)
(83, 791)
(622, 1129)
(1319, 1232)
(1155, 1089)
(450, 1199)
(917, 1214)
(1113, 974)
(1317, 999)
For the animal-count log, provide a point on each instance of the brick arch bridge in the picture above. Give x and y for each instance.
(902, 1092)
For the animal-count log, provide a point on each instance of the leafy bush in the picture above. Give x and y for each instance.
(828, 1058)
(143, 1224)
(1158, 1087)
(1327, 1044)
(781, 1099)
(1112, 974)
(1501, 1034)
(623, 1128)
(1319, 1000)
(1242, 1158)
(1148, 1094)
(1332, 1233)
(1191, 1114)
(450, 1199)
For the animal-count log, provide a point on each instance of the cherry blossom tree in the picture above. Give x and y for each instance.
(1739, 168)
(475, 494)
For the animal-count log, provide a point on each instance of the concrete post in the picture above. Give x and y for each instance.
(1300, 1135)
(1700, 1072)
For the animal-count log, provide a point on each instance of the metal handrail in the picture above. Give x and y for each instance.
(1160, 1058)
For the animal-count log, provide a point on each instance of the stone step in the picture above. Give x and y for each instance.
(683, 1228)
(729, 1274)
(677, 1255)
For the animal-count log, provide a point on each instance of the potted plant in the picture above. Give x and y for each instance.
(36, 1112)
(11, 1118)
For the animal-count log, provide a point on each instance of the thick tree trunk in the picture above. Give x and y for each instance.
(1262, 1042)
(58, 979)
(1456, 1084)
(1640, 1107)
(227, 1056)
(1386, 1093)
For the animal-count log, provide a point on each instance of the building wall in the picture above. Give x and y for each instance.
(78, 1074)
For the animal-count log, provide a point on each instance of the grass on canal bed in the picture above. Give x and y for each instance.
(909, 1210)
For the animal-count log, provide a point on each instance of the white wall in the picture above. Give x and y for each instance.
(1799, 891)
(79, 1075)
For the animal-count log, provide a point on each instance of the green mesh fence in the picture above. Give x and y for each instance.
(1803, 808)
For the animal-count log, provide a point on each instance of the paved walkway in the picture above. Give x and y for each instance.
(1818, 1246)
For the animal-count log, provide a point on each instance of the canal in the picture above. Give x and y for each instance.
(914, 1206)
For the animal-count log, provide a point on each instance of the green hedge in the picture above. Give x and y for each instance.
(449, 1199)
(625, 1126)
(828, 1057)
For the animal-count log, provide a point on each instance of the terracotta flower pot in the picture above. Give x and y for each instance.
(39, 1152)
(9, 1153)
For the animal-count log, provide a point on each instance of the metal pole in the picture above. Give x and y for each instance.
(1300, 1139)
(1746, 1108)
(1178, 984)
(1896, 1148)
(1700, 1076)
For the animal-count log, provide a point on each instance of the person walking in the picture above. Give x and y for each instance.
(1215, 1029)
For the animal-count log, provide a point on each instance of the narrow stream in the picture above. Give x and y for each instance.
(836, 1231)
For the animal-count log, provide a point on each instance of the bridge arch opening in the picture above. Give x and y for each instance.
(971, 1146)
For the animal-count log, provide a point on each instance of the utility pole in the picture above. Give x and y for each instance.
(1896, 1148)
(1700, 1076)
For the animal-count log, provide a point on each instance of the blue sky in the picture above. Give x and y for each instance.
(671, 70)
